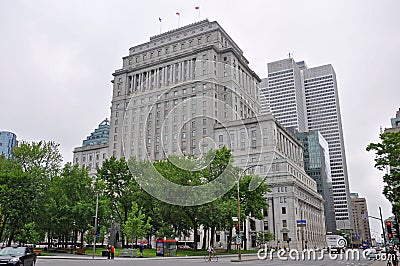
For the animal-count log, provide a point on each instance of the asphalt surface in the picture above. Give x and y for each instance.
(84, 260)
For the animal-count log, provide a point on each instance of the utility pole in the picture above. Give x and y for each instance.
(383, 227)
(95, 225)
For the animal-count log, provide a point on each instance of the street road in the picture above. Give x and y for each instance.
(198, 261)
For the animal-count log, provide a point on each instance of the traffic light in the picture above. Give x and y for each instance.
(389, 229)
(237, 228)
(98, 227)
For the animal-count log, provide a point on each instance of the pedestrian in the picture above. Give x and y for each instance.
(141, 248)
(393, 256)
(108, 252)
(112, 252)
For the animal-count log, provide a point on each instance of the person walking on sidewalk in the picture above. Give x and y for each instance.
(108, 252)
(141, 248)
(393, 257)
(112, 252)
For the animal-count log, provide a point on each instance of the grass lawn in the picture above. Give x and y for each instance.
(146, 252)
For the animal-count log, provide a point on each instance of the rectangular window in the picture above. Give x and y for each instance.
(284, 223)
(283, 210)
(254, 143)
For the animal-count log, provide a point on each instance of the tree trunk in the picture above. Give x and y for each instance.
(212, 236)
(228, 245)
(82, 233)
(11, 238)
(204, 246)
(244, 236)
(48, 239)
(196, 235)
(3, 225)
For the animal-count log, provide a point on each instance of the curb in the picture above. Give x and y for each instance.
(89, 257)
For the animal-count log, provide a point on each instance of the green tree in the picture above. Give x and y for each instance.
(387, 157)
(29, 234)
(40, 162)
(137, 226)
(17, 199)
(263, 238)
(118, 186)
(70, 203)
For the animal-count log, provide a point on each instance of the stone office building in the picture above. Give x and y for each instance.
(94, 149)
(177, 93)
(277, 157)
(172, 89)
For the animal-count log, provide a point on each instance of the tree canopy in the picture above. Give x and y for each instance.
(387, 158)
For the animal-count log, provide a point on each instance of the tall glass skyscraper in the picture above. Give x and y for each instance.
(303, 99)
(317, 166)
(8, 141)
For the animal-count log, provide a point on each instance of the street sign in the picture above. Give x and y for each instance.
(235, 219)
(301, 223)
(238, 240)
(97, 235)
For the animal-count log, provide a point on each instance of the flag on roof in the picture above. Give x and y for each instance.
(159, 19)
(178, 13)
(196, 7)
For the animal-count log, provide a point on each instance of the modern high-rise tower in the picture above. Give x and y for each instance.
(8, 141)
(284, 94)
(306, 99)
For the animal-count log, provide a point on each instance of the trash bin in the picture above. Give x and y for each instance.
(104, 253)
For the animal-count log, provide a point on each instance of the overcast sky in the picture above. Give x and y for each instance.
(57, 58)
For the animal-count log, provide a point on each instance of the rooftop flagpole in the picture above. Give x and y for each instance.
(160, 23)
(179, 18)
(198, 9)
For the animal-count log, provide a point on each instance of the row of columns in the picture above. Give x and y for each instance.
(162, 76)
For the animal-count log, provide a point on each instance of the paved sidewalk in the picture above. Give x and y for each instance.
(379, 263)
(62, 256)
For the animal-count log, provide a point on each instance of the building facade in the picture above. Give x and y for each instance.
(94, 149)
(174, 88)
(317, 166)
(362, 231)
(283, 92)
(181, 92)
(395, 121)
(292, 84)
(278, 158)
(8, 141)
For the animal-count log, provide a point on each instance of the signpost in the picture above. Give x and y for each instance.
(302, 225)
(238, 240)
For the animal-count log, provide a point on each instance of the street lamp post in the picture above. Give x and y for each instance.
(383, 227)
(238, 211)
(238, 203)
(95, 224)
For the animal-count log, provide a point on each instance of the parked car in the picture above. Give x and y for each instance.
(17, 256)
